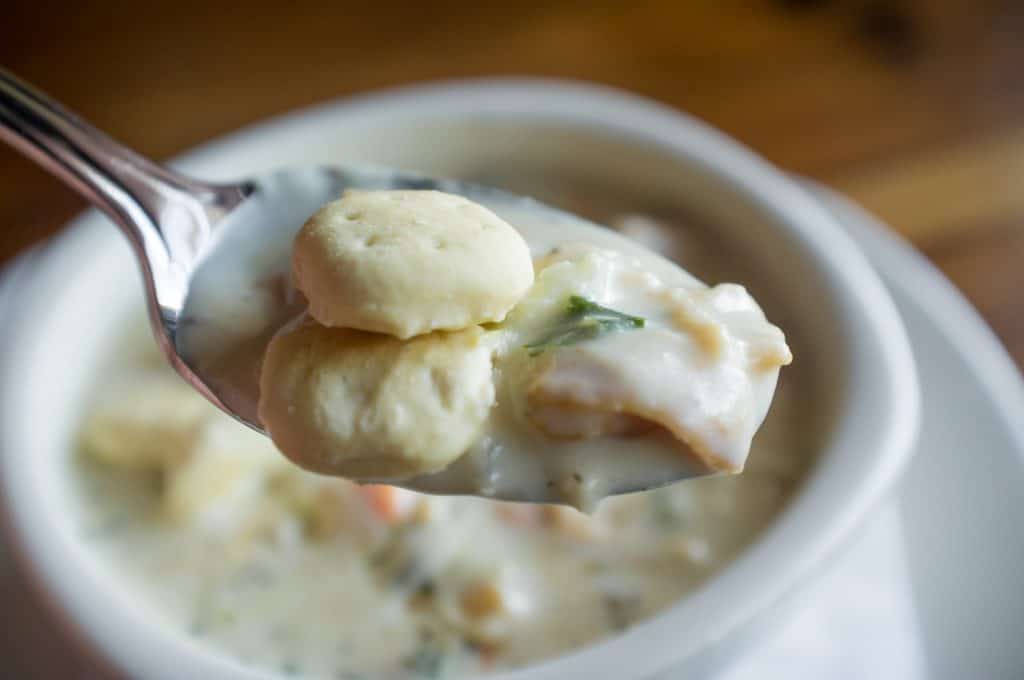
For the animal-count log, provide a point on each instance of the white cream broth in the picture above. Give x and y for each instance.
(305, 575)
(716, 404)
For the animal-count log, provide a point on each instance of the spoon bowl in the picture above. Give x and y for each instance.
(240, 295)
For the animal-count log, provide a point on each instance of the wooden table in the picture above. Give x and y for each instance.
(915, 109)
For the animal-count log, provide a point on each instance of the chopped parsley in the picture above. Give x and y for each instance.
(428, 661)
(584, 320)
(666, 514)
(622, 610)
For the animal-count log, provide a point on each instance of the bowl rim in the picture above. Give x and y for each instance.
(740, 597)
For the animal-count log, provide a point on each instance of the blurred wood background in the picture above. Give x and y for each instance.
(915, 108)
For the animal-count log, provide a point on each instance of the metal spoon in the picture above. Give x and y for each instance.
(185, 231)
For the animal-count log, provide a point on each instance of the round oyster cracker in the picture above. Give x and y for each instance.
(368, 406)
(409, 262)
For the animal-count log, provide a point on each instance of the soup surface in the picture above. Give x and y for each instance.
(306, 575)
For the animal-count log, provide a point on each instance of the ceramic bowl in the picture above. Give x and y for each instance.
(552, 139)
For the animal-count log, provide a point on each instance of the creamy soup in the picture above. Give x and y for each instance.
(306, 575)
(682, 389)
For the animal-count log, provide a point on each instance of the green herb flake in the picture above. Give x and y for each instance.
(430, 660)
(622, 611)
(585, 320)
(666, 515)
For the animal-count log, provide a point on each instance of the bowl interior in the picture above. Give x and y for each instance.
(88, 285)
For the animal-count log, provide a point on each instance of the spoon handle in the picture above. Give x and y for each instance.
(165, 215)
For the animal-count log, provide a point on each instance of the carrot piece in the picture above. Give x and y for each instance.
(383, 500)
(488, 656)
